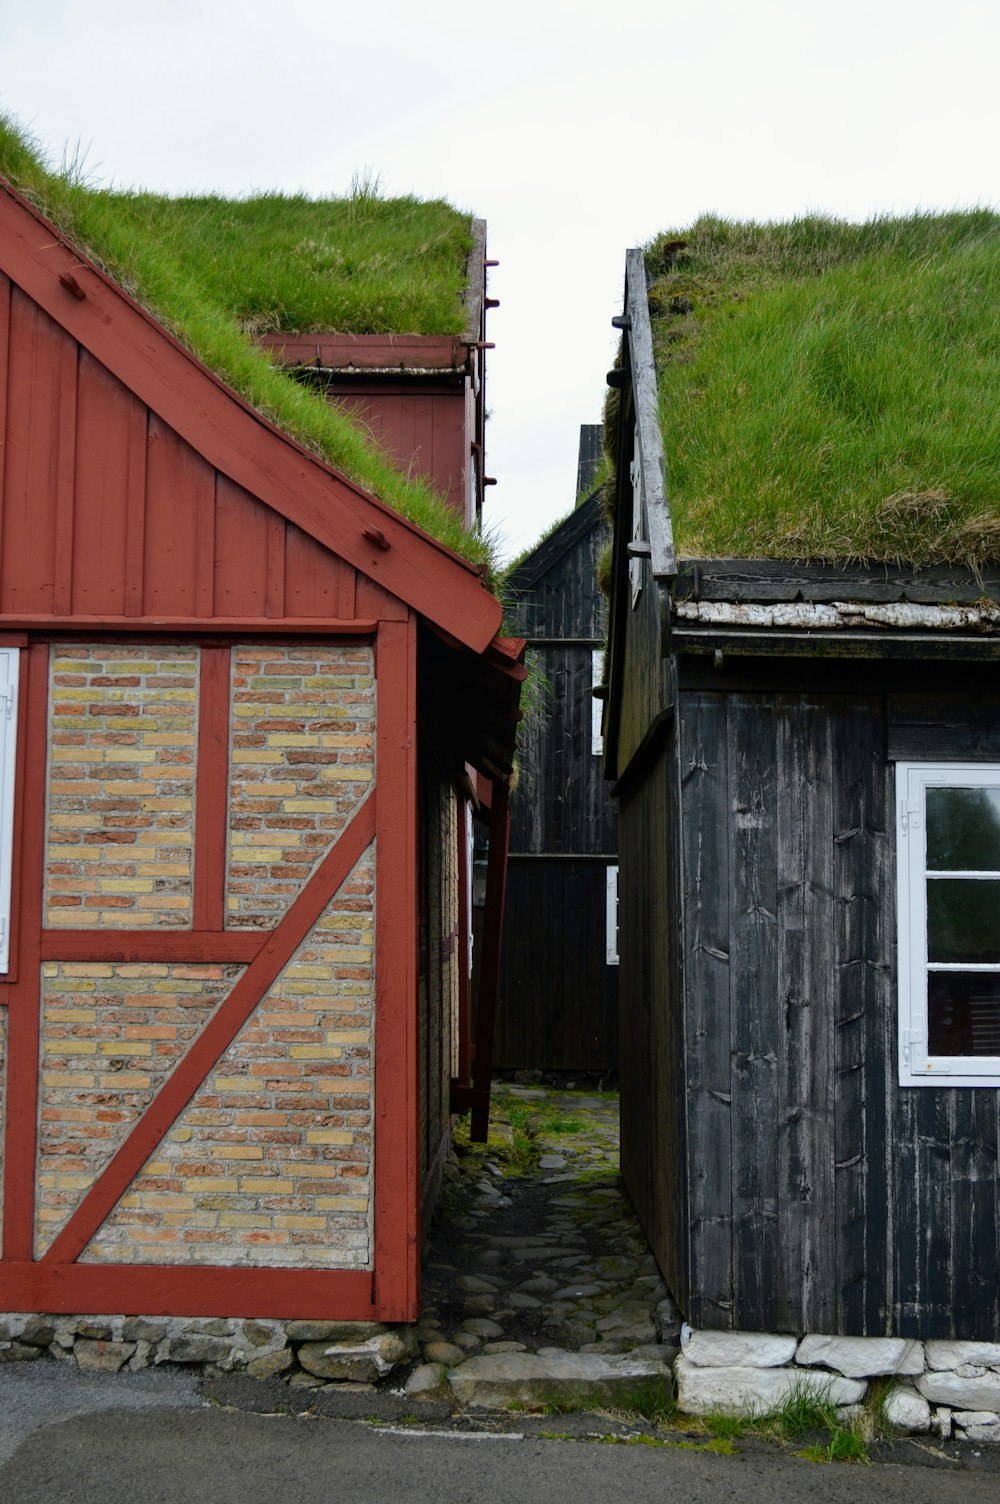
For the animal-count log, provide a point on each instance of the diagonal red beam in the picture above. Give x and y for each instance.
(274, 954)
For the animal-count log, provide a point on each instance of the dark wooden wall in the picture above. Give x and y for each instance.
(820, 1195)
(557, 1001)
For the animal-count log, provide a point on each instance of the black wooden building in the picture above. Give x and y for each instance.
(558, 999)
(807, 764)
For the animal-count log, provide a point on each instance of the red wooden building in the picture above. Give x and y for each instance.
(243, 702)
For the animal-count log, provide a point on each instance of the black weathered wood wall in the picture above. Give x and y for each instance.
(813, 1193)
(557, 1005)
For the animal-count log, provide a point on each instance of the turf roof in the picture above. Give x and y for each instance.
(831, 390)
(218, 271)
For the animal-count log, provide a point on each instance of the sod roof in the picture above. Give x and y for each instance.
(217, 272)
(831, 390)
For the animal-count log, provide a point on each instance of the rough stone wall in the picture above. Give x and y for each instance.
(121, 786)
(269, 1164)
(302, 758)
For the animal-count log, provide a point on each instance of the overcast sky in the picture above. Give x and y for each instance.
(575, 129)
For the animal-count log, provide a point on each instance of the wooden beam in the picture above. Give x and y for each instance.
(218, 946)
(223, 626)
(212, 789)
(489, 967)
(397, 1099)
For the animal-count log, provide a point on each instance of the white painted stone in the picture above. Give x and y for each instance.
(738, 1349)
(739, 1391)
(945, 1354)
(961, 1394)
(907, 1411)
(966, 1418)
(862, 1357)
(941, 1422)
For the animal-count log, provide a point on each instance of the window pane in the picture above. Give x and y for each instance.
(963, 830)
(963, 1013)
(963, 920)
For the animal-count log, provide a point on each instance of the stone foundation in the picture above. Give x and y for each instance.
(949, 1388)
(306, 1354)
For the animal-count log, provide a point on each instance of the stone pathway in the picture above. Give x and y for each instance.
(539, 1288)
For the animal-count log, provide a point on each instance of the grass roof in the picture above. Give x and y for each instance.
(831, 390)
(218, 271)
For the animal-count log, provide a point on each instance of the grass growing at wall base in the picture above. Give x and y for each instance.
(216, 272)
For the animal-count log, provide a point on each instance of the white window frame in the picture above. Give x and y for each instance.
(916, 1066)
(611, 917)
(10, 662)
(597, 706)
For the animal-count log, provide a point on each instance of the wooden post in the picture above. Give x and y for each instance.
(489, 970)
(397, 1097)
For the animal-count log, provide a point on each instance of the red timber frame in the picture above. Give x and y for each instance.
(57, 1281)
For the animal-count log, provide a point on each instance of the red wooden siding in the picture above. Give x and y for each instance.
(423, 431)
(106, 512)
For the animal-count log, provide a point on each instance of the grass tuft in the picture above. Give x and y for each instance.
(829, 389)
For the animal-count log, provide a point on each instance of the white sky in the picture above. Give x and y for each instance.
(575, 129)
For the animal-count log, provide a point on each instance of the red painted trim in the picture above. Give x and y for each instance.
(161, 1290)
(397, 1105)
(276, 531)
(288, 626)
(489, 966)
(217, 1035)
(368, 352)
(212, 790)
(127, 946)
(233, 437)
(21, 1127)
(4, 369)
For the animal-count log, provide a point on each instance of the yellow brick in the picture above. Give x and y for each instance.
(87, 969)
(328, 1136)
(76, 984)
(243, 1220)
(60, 820)
(129, 754)
(128, 1047)
(310, 806)
(126, 885)
(210, 1184)
(257, 854)
(236, 1151)
(73, 1047)
(169, 739)
(275, 1187)
(250, 755)
(274, 790)
(70, 1015)
(174, 805)
(142, 969)
(348, 1036)
(352, 774)
(120, 1080)
(181, 1135)
(66, 1079)
(157, 1167)
(163, 901)
(299, 969)
(299, 1223)
(171, 1201)
(341, 1203)
(235, 1083)
(51, 1214)
(315, 1052)
(164, 869)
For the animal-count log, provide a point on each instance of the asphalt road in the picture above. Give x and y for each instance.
(67, 1439)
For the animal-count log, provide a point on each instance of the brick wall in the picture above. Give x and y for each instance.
(121, 786)
(302, 758)
(269, 1164)
(110, 1036)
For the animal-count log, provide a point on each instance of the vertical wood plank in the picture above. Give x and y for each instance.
(704, 774)
(4, 390)
(397, 1186)
(65, 478)
(212, 789)
(39, 356)
(21, 1127)
(974, 1214)
(878, 946)
(241, 552)
(275, 603)
(804, 1288)
(135, 520)
(177, 544)
(107, 421)
(753, 1008)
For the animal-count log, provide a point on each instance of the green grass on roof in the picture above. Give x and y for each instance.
(832, 390)
(217, 271)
